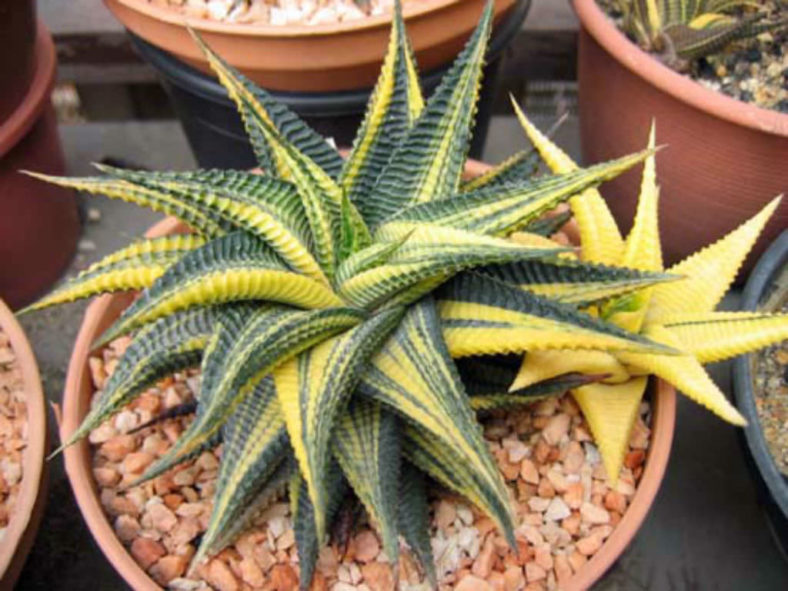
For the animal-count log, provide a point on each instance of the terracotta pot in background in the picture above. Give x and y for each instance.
(39, 223)
(78, 458)
(724, 159)
(342, 56)
(30, 504)
(17, 60)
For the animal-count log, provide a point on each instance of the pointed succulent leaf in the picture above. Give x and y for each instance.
(414, 376)
(610, 411)
(132, 268)
(169, 345)
(389, 114)
(715, 336)
(518, 167)
(685, 373)
(599, 234)
(260, 112)
(440, 460)
(312, 390)
(483, 316)
(429, 161)
(367, 258)
(367, 447)
(503, 400)
(505, 209)
(234, 267)
(431, 255)
(642, 250)
(539, 366)
(573, 282)
(307, 542)
(710, 271)
(243, 352)
(692, 42)
(413, 518)
(265, 207)
(549, 225)
(254, 441)
(197, 217)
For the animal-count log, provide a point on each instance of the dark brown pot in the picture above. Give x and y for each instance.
(724, 160)
(17, 59)
(39, 224)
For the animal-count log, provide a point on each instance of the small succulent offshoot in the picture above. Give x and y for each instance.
(326, 299)
(681, 31)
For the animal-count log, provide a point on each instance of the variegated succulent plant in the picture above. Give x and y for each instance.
(680, 31)
(326, 299)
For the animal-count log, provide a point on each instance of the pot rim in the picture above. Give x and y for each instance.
(410, 12)
(24, 521)
(768, 267)
(686, 90)
(78, 456)
(19, 122)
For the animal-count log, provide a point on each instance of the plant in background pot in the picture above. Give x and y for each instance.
(23, 445)
(725, 154)
(324, 71)
(325, 302)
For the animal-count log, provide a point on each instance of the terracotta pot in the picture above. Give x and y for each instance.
(103, 311)
(343, 56)
(39, 223)
(17, 60)
(29, 508)
(724, 161)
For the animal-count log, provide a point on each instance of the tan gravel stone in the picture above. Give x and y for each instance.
(283, 578)
(534, 572)
(556, 429)
(445, 514)
(473, 583)
(589, 545)
(563, 570)
(484, 562)
(378, 576)
(162, 518)
(557, 510)
(146, 551)
(543, 557)
(529, 472)
(367, 546)
(106, 476)
(221, 577)
(117, 448)
(127, 528)
(514, 579)
(168, 568)
(251, 573)
(593, 514)
(574, 495)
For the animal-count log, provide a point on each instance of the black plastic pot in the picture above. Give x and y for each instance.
(772, 486)
(214, 129)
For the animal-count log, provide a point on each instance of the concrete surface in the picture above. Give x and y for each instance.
(704, 532)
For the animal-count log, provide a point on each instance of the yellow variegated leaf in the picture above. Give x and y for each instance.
(538, 366)
(537, 241)
(482, 316)
(714, 336)
(685, 373)
(599, 234)
(611, 411)
(709, 272)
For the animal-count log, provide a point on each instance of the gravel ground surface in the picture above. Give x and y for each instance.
(566, 506)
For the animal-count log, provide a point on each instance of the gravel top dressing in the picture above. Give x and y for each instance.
(566, 506)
